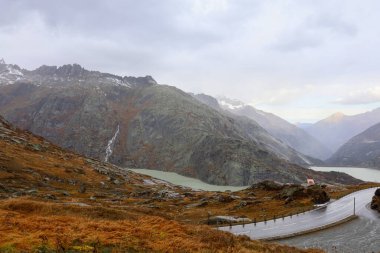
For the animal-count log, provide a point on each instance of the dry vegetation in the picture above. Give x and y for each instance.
(52, 200)
(339, 192)
(27, 225)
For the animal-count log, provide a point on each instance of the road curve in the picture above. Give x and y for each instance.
(316, 219)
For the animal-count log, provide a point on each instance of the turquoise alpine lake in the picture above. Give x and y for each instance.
(365, 174)
(193, 183)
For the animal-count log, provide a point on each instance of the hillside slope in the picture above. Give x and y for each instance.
(53, 200)
(134, 122)
(363, 150)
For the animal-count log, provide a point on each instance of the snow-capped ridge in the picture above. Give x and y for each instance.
(228, 103)
(69, 75)
(14, 71)
(9, 73)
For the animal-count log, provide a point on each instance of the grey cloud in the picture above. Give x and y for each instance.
(365, 96)
(315, 30)
(298, 42)
(241, 48)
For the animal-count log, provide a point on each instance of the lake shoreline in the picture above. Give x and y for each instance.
(365, 174)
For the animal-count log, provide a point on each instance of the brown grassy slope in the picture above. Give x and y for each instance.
(27, 223)
(57, 198)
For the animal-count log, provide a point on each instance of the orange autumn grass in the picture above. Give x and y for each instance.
(27, 224)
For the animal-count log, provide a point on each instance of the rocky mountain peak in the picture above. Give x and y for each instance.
(9, 73)
(336, 117)
(68, 70)
(208, 100)
(74, 70)
(139, 81)
(46, 70)
(75, 74)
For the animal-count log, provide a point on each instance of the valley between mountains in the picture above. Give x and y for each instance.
(68, 136)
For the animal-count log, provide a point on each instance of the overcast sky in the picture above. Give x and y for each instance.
(302, 60)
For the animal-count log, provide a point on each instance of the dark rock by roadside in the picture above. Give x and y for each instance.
(292, 192)
(318, 194)
(217, 220)
(375, 204)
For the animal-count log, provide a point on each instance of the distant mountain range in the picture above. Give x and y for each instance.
(290, 134)
(363, 150)
(337, 129)
(134, 122)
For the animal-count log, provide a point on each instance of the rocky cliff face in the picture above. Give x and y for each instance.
(134, 122)
(363, 150)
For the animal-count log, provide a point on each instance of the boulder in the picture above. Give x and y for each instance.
(377, 192)
(318, 195)
(375, 204)
(244, 203)
(82, 188)
(199, 204)
(227, 220)
(50, 196)
(292, 192)
(167, 194)
(224, 198)
(268, 186)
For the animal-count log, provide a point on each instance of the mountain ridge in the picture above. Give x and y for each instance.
(160, 127)
(290, 134)
(362, 150)
(338, 128)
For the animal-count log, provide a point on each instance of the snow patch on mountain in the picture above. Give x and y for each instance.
(14, 71)
(231, 104)
(9, 74)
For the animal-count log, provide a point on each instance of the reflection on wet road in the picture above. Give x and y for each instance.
(334, 212)
(359, 235)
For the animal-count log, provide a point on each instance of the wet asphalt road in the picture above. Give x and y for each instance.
(334, 212)
(359, 235)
